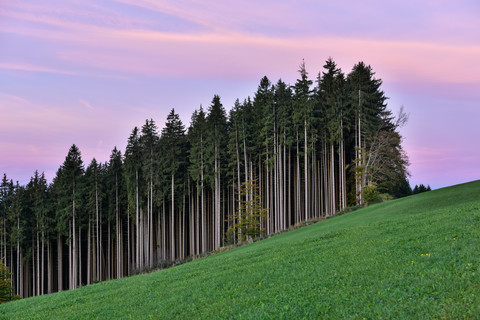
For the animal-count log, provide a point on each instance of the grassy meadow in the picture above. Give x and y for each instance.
(412, 258)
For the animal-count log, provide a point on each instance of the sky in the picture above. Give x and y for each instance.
(89, 71)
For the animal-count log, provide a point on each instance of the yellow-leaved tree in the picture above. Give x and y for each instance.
(250, 215)
(6, 292)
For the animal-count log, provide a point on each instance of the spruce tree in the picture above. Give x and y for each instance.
(302, 115)
(215, 148)
(196, 155)
(173, 142)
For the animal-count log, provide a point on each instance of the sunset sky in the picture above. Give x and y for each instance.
(87, 72)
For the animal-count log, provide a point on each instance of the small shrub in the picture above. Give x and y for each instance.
(370, 194)
(384, 197)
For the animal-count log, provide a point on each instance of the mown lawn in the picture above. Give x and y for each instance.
(412, 258)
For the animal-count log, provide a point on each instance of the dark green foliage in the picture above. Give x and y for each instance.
(403, 189)
(115, 185)
(216, 123)
(133, 164)
(94, 175)
(366, 96)
(302, 102)
(173, 145)
(37, 192)
(149, 144)
(17, 211)
(331, 95)
(421, 188)
(118, 217)
(69, 189)
(284, 109)
(196, 139)
(264, 116)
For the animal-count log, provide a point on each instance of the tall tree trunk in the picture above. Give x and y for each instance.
(49, 267)
(172, 223)
(343, 189)
(150, 230)
(238, 183)
(325, 179)
(70, 259)
(79, 281)
(359, 153)
(42, 281)
(332, 178)
(89, 259)
(38, 276)
(306, 172)
(59, 262)
(97, 238)
(129, 247)
(74, 248)
(118, 229)
(298, 214)
(109, 251)
(204, 236)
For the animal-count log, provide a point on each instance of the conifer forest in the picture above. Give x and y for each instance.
(288, 154)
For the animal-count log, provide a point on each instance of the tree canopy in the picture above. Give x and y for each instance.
(289, 154)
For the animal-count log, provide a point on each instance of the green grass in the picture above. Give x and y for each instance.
(412, 258)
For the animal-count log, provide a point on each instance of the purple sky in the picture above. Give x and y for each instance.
(88, 71)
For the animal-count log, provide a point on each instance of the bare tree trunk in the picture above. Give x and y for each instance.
(325, 179)
(306, 172)
(204, 237)
(359, 158)
(285, 191)
(238, 182)
(150, 230)
(332, 178)
(129, 247)
(79, 281)
(109, 251)
(267, 189)
(70, 259)
(74, 245)
(217, 201)
(298, 191)
(164, 233)
(59, 262)
(38, 276)
(289, 193)
(137, 225)
(18, 275)
(343, 188)
(36, 266)
(89, 259)
(118, 230)
(172, 223)
(98, 239)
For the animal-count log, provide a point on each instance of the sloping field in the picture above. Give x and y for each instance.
(416, 257)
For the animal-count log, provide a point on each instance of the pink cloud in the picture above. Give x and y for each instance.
(86, 104)
(224, 49)
(33, 68)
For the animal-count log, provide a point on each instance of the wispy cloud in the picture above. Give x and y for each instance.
(224, 48)
(12, 98)
(33, 68)
(86, 104)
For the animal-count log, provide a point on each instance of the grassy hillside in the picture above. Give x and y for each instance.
(417, 257)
